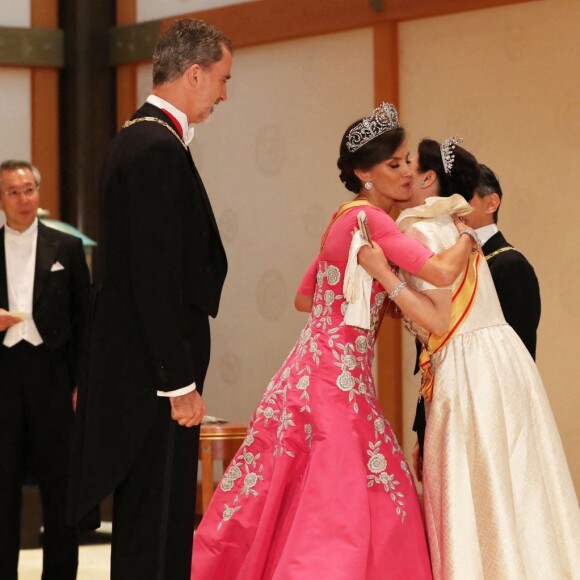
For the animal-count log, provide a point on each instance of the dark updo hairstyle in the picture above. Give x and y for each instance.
(375, 151)
(464, 176)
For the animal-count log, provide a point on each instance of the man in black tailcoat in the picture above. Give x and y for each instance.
(159, 275)
(44, 291)
(513, 276)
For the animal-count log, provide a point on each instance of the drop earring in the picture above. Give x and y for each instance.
(368, 185)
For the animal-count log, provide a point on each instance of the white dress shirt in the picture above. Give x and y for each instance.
(20, 250)
(187, 130)
(486, 232)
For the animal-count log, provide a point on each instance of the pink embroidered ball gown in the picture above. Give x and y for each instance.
(320, 487)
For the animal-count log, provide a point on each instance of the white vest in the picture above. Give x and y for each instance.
(20, 249)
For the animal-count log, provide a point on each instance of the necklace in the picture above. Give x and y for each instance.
(156, 120)
(500, 251)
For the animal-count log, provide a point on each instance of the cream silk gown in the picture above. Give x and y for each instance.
(499, 499)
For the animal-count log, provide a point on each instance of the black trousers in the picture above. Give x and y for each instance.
(36, 418)
(154, 507)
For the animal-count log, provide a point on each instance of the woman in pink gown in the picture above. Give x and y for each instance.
(320, 487)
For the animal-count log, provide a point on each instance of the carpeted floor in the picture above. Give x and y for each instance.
(93, 563)
(94, 553)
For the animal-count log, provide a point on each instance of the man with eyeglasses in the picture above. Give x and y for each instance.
(44, 287)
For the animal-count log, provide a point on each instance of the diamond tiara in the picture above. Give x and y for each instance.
(383, 118)
(447, 155)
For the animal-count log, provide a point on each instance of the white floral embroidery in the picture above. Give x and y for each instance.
(407, 472)
(227, 484)
(377, 466)
(328, 297)
(303, 340)
(319, 278)
(228, 513)
(377, 463)
(349, 362)
(250, 482)
(303, 383)
(285, 405)
(250, 437)
(333, 275)
(345, 381)
(361, 344)
(380, 299)
(308, 431)
(380, 425)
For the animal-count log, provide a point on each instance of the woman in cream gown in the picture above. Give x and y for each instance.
(499, 499)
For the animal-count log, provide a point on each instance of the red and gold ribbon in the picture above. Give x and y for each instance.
(461, 303)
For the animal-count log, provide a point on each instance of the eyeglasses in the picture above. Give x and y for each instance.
(27, 191)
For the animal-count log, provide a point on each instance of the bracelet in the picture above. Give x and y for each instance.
(395, 292)
(471, 233)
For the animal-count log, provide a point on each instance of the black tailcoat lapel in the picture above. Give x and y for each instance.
(494, 243)
(3, 274)
(46, 250)
(150, 110)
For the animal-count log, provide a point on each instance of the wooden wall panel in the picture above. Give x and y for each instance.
(126, 73)
(275, 20)
(45, 136)
(389, 350)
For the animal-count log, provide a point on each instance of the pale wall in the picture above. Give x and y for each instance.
(506, 79)
(15, 139)
(154, 9)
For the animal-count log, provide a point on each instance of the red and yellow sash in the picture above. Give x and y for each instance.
(461, 303)
(344, 207)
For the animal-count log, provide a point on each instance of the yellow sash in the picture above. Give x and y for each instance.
(344, 207)
(461, 303)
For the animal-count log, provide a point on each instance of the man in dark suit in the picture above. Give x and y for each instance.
(514, 277)
(44, 288)
(159, 275)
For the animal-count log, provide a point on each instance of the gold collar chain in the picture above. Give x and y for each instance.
(156, 120)
(500, 251)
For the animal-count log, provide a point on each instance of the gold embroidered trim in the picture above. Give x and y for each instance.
(500, 251)
(461, 303)
(344, 207)
(156, 120)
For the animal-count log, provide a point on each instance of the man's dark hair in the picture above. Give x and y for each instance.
(185, 43)
(488, 183)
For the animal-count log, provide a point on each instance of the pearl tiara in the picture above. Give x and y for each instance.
(383, 118)
(447, 155)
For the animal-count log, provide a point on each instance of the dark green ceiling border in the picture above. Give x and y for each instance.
(43, 47)
(133, 43)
